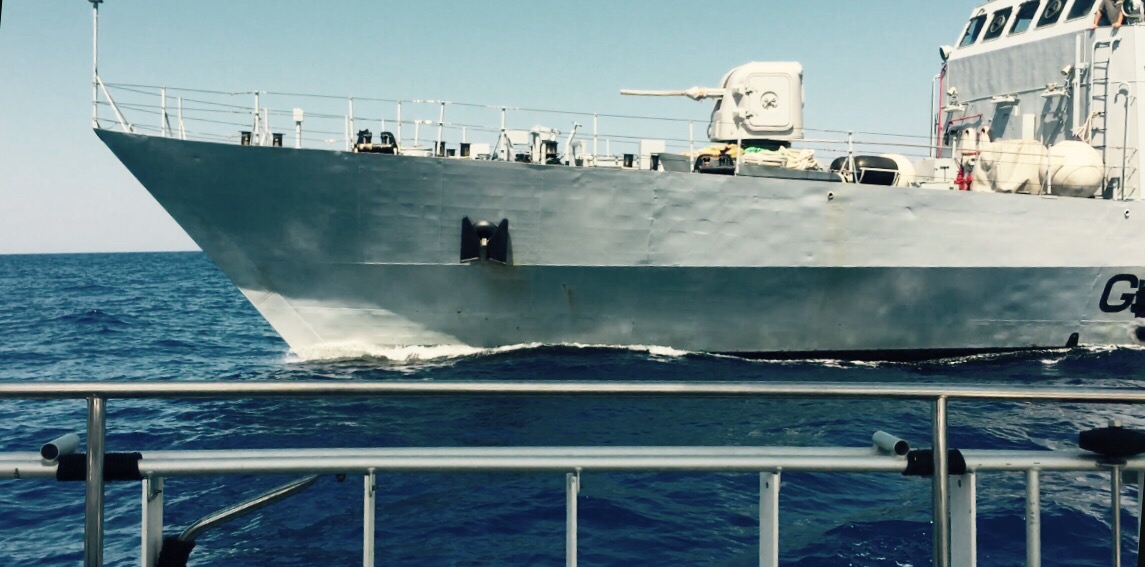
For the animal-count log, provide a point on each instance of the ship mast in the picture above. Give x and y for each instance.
(95, 63)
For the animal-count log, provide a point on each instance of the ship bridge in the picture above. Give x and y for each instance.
(1049, 71)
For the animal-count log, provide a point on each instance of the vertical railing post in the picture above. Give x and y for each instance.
(182, 128)
(504, 139)
(93, 501)
(1140, 515)
(595, 153)
(163, 123)
(692, 142)
(350, 126)
(572, 488)
(95, 63)
(152, 540)
(1033, 519)
(963, 521)
(369, 505)
(399, 119)
(941, 487)
(440, 125)
(769, 519)
(256, 128)
(1115, 497)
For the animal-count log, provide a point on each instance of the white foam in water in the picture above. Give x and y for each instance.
(399, 354)
(654, 350)
(412, 355)
(408, 355)
(664, 351)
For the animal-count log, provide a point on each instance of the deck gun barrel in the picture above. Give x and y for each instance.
(694, 93)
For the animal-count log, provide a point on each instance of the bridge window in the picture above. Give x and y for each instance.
(1052, 13)
(1025, 17)
(973, 29)
(1081, 8)
(998, 23)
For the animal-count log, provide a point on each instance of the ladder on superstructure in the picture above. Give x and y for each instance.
(1098, 122)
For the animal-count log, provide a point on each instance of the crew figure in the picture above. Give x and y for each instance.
(1109, 13)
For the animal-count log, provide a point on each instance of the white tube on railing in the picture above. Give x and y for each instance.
(62, 445)
(887, 443)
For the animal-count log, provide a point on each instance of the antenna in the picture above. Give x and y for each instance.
(95, 63)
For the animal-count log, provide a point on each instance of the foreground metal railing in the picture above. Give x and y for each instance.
(953, 507)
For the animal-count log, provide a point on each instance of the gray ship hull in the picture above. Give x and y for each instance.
(335, 247)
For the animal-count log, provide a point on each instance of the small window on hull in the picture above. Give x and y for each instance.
(1081, 8)
(997, 24)
(973, 30)
(1052, 13)
(1025, 17)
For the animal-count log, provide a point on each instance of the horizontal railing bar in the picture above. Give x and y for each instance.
(209, 389)
(978, 460)
(739, 451)
(554, 459)
(523, 463)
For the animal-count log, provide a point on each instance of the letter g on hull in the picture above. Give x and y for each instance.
(1123, 291)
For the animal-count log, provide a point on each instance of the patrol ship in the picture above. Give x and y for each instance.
(1021, 230)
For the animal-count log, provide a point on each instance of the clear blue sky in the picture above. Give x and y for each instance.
(867, 64)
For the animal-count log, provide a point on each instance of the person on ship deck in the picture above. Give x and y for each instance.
(1109, 14)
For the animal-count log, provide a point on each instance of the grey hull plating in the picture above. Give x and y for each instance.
(338, 247)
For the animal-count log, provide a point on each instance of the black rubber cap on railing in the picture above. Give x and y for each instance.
(1114, 441)
(175, 552)
(116, 466)
(920, 462)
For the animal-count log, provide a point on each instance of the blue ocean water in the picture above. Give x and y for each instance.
(173, 316)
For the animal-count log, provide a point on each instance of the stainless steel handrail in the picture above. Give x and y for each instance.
(98, 392)
(204, 389)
